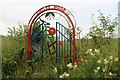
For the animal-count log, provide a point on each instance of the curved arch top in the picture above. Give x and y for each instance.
(50, 8)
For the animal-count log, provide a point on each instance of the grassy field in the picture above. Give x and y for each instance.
(99, 60)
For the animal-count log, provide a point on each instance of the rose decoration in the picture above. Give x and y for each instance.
(60, 43)
(51, 31)
(66, 57)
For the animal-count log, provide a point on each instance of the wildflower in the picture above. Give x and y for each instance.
(51, 31)
(116, 59)
(99, 61)
(110, 74)
(66, 74)
(86, 52)
(111, 57)
(55, 70)
(61, 76)
(105, 61)
(89, 51)
(97, 51)
(70, 65)
(92, 54)
(103, 70)
(95, 71)
(98, 68)
(75, 66)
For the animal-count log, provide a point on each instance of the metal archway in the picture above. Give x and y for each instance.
(53, 8)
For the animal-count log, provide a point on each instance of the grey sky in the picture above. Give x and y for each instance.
(14, 11)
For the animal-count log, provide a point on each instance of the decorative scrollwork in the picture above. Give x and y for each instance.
(78, 30)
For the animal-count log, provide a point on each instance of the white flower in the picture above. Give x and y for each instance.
(98, 68)
(95, 71)
(75, 66)
(92, 54)
(99, 61)
(116, 59)
(86, 52)
(61, 76)
(110, 74)
(66, 74)
(55, 70)
(111, 57)
(105, 61)
(70, 65)
(89, 51)
(97, 51)
(103, 70)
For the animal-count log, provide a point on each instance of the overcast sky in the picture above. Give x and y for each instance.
(14, 11)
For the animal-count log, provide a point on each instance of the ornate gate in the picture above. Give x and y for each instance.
(63, 43)
(56, 43)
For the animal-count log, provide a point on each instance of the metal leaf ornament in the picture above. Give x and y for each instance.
(49, 15)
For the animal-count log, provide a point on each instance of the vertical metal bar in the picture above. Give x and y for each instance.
(79, 48)
(67, 42)
(42, 44)
(60, 44)
(64, 45)
(56, 44)
(70, 48)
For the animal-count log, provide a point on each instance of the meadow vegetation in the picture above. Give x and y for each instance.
(99, 55)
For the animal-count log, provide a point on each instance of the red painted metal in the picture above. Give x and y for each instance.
(56, 8)
(29, 46)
